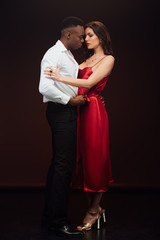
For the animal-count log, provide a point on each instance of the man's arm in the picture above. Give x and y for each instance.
(79, 100)
(47, 86)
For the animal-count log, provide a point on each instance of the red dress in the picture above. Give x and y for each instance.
(93, 166)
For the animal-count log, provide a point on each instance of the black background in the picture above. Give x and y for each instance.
(28, 29)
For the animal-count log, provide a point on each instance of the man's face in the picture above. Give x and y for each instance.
(76, 37)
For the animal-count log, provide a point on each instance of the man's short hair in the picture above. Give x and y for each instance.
(71, 22)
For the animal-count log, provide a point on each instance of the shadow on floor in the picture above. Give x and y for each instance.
(131, 215)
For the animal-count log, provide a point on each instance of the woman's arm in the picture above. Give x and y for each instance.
(101, 71)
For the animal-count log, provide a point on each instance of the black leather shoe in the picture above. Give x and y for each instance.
(65, 231)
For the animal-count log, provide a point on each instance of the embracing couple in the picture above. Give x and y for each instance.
(78, 121)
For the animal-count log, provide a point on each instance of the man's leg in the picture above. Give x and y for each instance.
(62, 120)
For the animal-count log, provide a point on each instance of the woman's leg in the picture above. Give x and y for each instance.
(94, 199)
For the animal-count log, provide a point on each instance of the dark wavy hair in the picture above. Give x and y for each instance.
(102, 33)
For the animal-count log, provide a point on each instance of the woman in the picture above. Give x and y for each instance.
(93, 171)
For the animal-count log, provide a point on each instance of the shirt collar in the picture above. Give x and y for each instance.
(61, 46)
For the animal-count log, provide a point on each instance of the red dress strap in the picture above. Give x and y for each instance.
(98, 61)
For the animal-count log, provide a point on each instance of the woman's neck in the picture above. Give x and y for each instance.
(98, 51)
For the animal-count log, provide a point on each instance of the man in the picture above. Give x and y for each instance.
(61, 115)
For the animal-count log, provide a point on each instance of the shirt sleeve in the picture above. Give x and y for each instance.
(47, 86)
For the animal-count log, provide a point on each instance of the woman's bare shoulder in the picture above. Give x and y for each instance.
(108, 58)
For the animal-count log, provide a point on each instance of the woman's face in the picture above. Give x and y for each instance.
(91, 39)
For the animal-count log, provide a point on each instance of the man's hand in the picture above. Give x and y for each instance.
(78, 100)
(102, 98)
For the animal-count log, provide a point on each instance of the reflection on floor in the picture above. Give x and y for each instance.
(131, 215)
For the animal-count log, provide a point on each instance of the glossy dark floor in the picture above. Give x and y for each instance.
(131, 215)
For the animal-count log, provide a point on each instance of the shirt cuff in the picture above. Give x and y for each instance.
(65, 99)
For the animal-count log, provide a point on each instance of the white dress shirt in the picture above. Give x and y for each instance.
(52, 90)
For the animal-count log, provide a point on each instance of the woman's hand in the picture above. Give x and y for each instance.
(52, 73)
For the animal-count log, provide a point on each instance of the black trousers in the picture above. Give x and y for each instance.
(63, 123)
